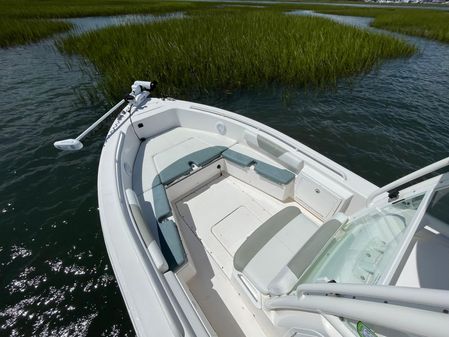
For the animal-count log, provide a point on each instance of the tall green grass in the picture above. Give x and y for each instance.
(228, 51)
(16, 31)
(429, 24)
(80, 8)
(432, 24)
(20, 24)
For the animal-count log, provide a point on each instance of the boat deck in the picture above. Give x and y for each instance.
(212, 236)
(182, 186)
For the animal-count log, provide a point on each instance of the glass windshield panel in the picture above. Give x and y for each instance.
(363, 248)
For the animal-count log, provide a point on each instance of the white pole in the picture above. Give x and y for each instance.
(140, 90)
(99, 120)
(409, 177)
(417, 311)
(75, 144)
(414, 296)
(416, 321)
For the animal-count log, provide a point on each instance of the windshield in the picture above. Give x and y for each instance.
(362, 249)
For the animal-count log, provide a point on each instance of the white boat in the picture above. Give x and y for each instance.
(218, 225)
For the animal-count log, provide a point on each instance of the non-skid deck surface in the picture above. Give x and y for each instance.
(214, 221)
(223, 214)
(215, 295)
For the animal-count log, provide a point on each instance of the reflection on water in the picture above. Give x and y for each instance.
(357, 21)
(55, 273)
(92, 23)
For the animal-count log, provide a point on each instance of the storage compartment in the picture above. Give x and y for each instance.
(249, 176)
(320, 195)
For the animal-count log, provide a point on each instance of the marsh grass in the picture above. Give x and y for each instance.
(23, 21)
(80, 8)
(231, 50)
(427, 24)
(17, 31)
(432, 24)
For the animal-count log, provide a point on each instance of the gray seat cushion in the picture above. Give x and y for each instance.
(276, 254)
(238, 158)
(182, 166)
(174, 171)
(161, 205)
(205, 156)
(273, 173)
(171, 244)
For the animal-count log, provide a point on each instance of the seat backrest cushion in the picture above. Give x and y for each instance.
(287, 158)
(290, 274)
(140, 221)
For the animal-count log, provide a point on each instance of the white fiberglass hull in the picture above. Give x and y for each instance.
(193, 157)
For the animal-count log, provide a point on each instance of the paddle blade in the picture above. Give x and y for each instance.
(68, 145)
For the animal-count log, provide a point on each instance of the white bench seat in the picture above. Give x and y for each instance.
(276, 254)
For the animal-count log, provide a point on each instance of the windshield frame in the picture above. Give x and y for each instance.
(412, 228)
(425, 189)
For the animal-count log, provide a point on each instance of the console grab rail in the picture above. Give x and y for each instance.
(416, 311)
(407, 295)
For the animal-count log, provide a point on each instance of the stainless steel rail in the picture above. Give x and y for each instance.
(408, 178)
(416, 311)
